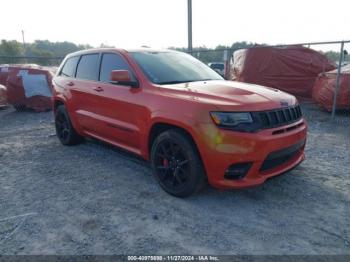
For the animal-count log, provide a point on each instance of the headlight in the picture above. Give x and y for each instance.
(238, 121)
(231, 119)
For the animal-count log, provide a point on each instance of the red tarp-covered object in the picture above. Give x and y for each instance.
(291, 69)
(4, 72)
(3, 96)
(28, 86)
(323, 91)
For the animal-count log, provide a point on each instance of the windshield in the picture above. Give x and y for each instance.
(173, 67)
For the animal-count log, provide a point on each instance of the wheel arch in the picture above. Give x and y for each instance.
(56, 103)
(159, 127)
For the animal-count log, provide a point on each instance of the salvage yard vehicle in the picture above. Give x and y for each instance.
(28, 86)
(324, 89)
(292, 69)
(219, 67)
(3, 97)
(175, 111)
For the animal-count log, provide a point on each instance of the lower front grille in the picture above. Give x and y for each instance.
(280, 157)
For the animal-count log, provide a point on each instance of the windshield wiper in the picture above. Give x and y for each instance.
(183, 81)
(208, 79)
(171, 82)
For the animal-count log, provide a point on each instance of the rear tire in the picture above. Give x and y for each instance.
(64, 128)
(176, 164)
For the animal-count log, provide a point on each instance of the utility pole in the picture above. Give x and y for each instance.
(23, 37)
(24, 44)
(337, 84)
(189, 21)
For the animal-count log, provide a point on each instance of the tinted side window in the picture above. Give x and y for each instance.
(88, 67)
(112, 62)
(70, 66)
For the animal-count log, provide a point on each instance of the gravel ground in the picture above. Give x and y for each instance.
(96, 199)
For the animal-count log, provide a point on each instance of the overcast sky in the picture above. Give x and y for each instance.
(163, 23)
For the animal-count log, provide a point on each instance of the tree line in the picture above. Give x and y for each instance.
(44, 52)
(41, 52)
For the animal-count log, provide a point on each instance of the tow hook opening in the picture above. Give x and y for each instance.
(237, 171)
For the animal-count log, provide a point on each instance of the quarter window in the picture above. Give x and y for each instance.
(112, 62)
(88, 67)
(70, 66)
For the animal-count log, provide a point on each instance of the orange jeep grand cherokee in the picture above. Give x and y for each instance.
(175, 111)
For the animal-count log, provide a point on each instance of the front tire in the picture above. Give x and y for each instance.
(176, 164)
(64, 128)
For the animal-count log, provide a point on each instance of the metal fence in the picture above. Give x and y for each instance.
(225, 56)
(44, 61)
(338, 53)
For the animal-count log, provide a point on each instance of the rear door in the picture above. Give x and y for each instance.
(84, 92)
(65, 81)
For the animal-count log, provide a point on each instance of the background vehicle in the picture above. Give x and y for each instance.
(170, 108)
(3, 97)
(277, 67)
(219, 67)
(28, 86)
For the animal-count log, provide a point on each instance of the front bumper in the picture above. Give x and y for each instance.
(271, 152)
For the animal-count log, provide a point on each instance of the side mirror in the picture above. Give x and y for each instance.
(122, 77)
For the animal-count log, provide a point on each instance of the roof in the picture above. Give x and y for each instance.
(121, 50)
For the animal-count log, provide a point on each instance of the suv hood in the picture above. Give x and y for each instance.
(231, 95)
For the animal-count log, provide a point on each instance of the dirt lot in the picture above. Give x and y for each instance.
(95, 199)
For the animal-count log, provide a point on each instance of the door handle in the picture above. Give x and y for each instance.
(70, 83)
(98, 89)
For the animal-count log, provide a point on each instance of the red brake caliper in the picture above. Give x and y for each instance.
(165, 162)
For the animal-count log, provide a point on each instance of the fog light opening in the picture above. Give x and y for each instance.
(237, 171)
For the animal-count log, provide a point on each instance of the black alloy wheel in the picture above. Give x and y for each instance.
(176, 164)
(64, 128)
(172, 164)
